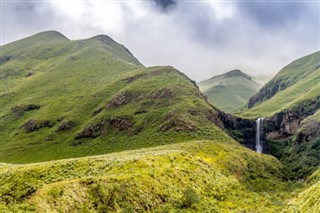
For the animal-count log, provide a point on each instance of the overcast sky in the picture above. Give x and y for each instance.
(200, 38)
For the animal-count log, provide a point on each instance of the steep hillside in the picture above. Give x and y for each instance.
(290, 102)
(308, 199)
(197, 176)
(295, 84)
(63, 99)
(229, 91)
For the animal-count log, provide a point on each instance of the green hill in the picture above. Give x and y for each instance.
(197, 176)
(62, 99)
(295, 84)
(229, 91)
(290, 102)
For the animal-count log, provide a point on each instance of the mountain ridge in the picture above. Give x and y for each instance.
(229, 91)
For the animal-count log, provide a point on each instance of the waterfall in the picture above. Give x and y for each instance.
(259, 132)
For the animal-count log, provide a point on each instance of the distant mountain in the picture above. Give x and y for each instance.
(229, 91)
(63, 99)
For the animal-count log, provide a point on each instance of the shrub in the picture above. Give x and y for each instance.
(190, 197)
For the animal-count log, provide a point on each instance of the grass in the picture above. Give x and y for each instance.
(194, 176)
(299, 82)
(71, 80)
(308, 199)
(229, 91)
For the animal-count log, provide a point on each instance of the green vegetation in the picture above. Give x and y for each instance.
(229, 91)
(292, 86)
(299, 160)
(308, 199)
(195, 176)
(65, 99)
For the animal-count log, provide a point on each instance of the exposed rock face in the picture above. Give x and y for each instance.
(242, 130)
(308, 131)
(287, 123)
(34, 125)
(20, 110)
(177, 124)
(101, 128)
(267, 92)
(66, 125)
(91, 131)
(120, 99)
(121, 123)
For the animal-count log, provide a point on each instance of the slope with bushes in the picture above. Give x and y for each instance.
(194, 176)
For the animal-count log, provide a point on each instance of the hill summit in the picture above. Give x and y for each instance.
(63, 99)
(229, 91)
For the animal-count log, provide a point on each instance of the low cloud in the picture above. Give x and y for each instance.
(201, 39)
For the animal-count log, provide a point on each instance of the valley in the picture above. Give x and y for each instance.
(85, 127)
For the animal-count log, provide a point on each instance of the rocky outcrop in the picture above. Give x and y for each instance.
(101, 128)
(177, 124)
(34, 125)
(287, 123)
(267, 92)
(120, 99)
(242, 130)
(66, 125)
(308, 131)
(20, 110)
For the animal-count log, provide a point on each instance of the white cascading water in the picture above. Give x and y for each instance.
(259, 131)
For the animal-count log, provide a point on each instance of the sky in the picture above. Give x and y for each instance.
(200, 38)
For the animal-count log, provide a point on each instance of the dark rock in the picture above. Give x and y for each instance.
(19, 110)
(120, 99)
(60, 119)
(177, 124)
(34, 125)
(92, 131)
(98, 129)
(30, 107)
(287, 123)
(97, 111)
(31, 125)
(193, 112)
(121, 123)
(28, 74)
(66, 125)
(141, 112)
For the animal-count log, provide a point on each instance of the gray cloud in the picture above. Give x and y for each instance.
(199, 38)
(165, 5)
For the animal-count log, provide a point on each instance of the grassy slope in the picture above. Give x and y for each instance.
(72, 79)
(302, 80)
(229, 91)
(308, 199)
(200, 176)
